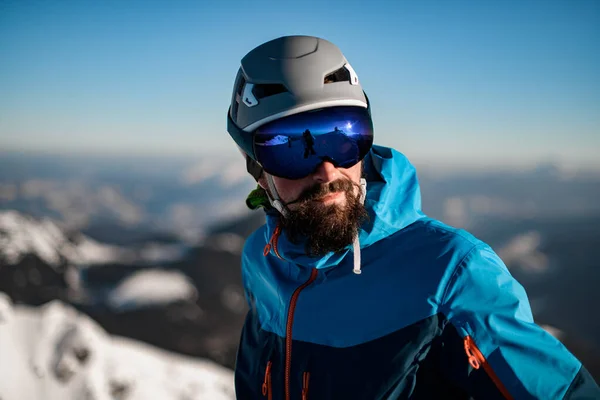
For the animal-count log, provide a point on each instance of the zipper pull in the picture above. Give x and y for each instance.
(273, 242)
(473, 360)
(266, 386)
(267, 249)
(477, 360)
(305, 380)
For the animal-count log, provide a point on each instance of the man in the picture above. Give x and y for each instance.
(354, 292)
(309, 142)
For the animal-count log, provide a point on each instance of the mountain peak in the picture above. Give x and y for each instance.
(22, 235)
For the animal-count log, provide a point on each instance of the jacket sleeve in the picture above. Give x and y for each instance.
(492, 347)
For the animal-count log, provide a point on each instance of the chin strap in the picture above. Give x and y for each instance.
(276, 200)
(356, 243)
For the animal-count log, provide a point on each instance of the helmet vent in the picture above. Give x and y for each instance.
(240, 85)
(266, 90)
(341, 75)
(234, 110)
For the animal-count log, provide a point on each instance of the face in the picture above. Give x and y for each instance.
(325, 210)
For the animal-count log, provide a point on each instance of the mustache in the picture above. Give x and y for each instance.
(320, 190)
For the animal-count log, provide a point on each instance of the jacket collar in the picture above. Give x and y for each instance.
(393, 202)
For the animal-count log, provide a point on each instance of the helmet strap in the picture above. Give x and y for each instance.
(276, 200)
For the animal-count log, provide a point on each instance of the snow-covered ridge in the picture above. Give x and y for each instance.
(53, 352)
(21, 235)
(152, 287)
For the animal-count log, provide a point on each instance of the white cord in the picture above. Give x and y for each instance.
(356, 244)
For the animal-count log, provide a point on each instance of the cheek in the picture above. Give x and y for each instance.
(288, 190)
(355, 173)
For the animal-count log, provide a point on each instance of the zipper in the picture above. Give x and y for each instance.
(288, 330)
(273, 242)
(266, 386)
(305, 380)
(477, 360)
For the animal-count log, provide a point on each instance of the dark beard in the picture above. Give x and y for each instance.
(325, 228)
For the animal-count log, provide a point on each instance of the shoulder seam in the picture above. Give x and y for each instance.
(457, 268)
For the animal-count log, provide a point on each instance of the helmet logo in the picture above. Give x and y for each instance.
(249, 98)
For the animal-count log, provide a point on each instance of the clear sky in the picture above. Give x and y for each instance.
(474, 82)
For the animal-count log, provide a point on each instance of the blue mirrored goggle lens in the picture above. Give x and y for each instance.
(294, 146)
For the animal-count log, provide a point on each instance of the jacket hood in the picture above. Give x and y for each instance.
(393, 202)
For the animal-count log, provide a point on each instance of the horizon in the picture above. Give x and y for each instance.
(438, 167)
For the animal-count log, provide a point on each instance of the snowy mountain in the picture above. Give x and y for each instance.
(22, 235)
(188, 300)
(55, 353)
(40, 261)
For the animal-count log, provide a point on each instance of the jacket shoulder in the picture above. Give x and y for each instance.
(430, 252)
(431, 242)
(437, 231)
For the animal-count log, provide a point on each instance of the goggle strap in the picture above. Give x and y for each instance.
(253, 168)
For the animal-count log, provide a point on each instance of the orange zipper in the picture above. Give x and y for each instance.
(266, 387)
(273, 242)
(477, 360)
(305, 380)
(288, 331)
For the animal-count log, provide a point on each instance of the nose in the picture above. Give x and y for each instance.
(326, 172)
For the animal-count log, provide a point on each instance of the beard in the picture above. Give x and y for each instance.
(325, 227)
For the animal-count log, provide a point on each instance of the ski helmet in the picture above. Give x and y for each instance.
(286, 76)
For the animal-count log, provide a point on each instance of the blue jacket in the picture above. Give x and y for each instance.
(435, 313)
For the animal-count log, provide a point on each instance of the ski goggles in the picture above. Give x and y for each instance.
(293, 147)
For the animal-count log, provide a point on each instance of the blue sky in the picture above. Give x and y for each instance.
(456, 82)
